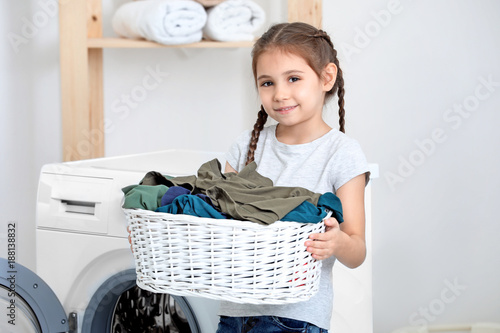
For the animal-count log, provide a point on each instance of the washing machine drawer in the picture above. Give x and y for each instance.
(73, 203)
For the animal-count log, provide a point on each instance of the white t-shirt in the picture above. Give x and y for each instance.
(321, 166)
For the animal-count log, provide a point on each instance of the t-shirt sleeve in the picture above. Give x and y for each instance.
(349, 162)
(237, 153)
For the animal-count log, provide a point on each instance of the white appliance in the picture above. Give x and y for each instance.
(85, 279)
(83, 252)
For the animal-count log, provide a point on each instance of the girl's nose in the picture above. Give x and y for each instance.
(280, 93)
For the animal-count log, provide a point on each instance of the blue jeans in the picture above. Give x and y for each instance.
(265, 324)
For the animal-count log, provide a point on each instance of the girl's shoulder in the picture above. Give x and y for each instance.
(337, 141)
(343, 151)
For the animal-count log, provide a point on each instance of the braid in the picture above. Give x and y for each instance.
(259, 125)
(322, 34)
(339, 83)
(340, 94)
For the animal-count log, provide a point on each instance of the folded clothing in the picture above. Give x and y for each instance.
(167, 22)
(234, 20)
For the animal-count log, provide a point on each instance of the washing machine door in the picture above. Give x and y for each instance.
(30, 303)
(118, 306)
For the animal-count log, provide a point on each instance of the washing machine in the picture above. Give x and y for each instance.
(83, 254)
(85, 276)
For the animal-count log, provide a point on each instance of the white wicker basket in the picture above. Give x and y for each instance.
(238, 261)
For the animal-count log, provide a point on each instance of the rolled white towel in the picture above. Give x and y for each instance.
(234, 20)
(209, 3)
(163, 21)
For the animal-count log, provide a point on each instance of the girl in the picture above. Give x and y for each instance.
(296, 70)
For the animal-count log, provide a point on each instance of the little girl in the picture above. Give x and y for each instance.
(296, 70)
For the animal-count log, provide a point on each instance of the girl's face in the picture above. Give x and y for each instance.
(290, 91)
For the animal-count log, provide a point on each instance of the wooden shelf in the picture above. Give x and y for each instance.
(81, 47)
(101, 43)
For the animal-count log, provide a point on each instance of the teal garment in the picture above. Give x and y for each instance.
(332, 202)
(309, 213)
(306, 212)
(143, 196)
(191, 205)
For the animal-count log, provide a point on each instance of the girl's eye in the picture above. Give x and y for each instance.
(293, 79)
(266, 84)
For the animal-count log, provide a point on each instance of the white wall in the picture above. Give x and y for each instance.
(435, 253)
(435, 225)
(30, 124)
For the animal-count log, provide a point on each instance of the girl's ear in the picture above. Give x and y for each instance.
(329, 76)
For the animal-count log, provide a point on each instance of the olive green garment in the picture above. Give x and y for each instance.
(247, 195)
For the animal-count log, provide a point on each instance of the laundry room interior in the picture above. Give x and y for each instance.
(422, 91)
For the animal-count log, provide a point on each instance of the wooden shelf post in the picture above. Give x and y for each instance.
(308, 11)
(96, 95)
(81, 83)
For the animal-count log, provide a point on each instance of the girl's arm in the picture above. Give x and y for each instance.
(347, 241)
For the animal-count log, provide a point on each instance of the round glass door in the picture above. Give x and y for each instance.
(119, 306)
(33, 307)
(20, 316)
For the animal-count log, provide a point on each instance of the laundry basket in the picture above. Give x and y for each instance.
(232, 260)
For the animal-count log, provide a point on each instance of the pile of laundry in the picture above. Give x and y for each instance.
(173, 22)
(246, 196)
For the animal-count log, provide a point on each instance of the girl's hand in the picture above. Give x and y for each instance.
(323, 245)
(347, 241)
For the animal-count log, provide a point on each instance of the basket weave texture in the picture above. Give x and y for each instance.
(237, 261)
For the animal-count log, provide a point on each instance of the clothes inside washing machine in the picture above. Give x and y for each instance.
(139, 310)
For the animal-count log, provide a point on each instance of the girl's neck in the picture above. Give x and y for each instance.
(295, 135)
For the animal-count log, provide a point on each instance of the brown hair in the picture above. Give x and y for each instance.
(314, 46)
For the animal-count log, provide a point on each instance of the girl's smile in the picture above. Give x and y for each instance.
(285, 110)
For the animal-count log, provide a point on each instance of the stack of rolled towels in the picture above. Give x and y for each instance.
(173, 22)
